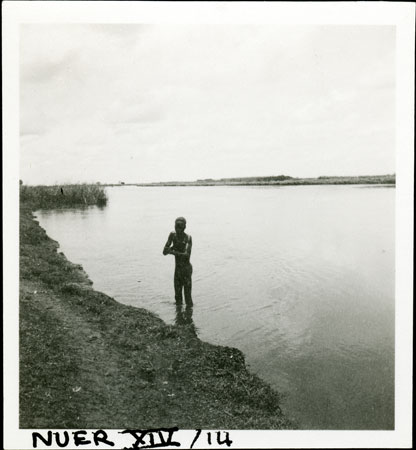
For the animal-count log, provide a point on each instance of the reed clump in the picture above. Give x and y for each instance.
(66, 195)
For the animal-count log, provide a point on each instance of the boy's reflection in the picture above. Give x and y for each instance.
(184, 318)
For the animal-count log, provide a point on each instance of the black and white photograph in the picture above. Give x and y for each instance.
(208, 224)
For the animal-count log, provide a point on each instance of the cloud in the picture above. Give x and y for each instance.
(225, 99)
(125, 32)
(135, 114)
(45, 70)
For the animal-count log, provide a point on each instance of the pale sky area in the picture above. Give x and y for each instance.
(144, 103)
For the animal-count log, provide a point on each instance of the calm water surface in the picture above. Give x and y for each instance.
(301, 279)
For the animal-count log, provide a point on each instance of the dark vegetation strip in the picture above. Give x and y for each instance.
(280, 180)
(68, 195)
(87, 361)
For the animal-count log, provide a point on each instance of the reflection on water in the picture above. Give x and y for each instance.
(301, 279)
(184, 318)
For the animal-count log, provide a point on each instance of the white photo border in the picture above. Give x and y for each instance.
(399, 14)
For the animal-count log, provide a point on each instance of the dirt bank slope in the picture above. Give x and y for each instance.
(87, 361)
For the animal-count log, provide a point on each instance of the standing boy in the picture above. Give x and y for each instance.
(180, 244)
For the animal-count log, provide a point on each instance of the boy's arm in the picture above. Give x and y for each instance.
(166, 248)
(187, 251)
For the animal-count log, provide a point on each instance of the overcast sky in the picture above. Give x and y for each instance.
(140, 103)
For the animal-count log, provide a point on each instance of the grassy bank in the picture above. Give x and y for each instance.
(87, 361)
(66, 195)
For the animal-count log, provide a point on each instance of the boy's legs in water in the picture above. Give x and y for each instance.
(187, 287)
(178, 287)
(183, 280)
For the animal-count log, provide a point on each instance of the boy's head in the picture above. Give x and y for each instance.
(180, 224)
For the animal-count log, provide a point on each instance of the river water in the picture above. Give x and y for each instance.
(301, 279)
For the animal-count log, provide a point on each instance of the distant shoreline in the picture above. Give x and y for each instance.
(274, 181)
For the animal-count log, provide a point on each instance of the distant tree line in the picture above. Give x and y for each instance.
(248, 179)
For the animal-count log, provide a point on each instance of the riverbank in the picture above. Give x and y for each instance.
(87, 361)
(281, 180)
